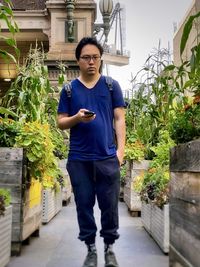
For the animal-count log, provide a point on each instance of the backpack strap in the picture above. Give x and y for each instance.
(68, 89)
(68, 86)
(109, 82)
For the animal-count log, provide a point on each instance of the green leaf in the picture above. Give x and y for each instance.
(27, 142)
(31, 157)
(8, 10)
(8, 112)
(169, 67)
(7, 56)
(186, 31)
(10, 41)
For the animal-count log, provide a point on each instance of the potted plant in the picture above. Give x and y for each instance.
(60, 141)
(27, 145)
(135, 168)
(185, 158)
(155, 193)
(43, 165)
(151, 106)
(66, 187)
(27, 167)
(136, 151)
(5, 227)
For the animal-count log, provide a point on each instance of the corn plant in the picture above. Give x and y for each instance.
(30, 94)
(193, 64)
(6, 16)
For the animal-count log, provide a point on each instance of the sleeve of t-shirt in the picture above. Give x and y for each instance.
(117, 97)
(63, 104)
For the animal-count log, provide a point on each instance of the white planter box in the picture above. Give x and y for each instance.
(67, 189)
(132, 199)
(134, 169)
(160, 226)
(5, 236)
(146, 216)
(156, 222)
(51, 204)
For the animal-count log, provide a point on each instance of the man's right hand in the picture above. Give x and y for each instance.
(84, 117)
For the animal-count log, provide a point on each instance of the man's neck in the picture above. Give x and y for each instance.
(89, 78)
(89, 81)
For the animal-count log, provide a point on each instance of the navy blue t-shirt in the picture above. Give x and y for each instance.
(93, 140)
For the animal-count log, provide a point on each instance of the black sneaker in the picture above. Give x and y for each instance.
(91, 258)
(110, 259)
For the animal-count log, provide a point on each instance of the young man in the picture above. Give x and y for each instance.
(94, 155)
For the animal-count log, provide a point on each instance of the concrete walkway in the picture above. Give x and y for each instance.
(58, 245)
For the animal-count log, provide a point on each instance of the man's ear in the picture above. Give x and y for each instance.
(101, 67)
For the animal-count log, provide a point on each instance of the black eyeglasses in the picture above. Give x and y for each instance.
(88, 58)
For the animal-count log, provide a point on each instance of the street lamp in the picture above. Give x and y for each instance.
(106, 7)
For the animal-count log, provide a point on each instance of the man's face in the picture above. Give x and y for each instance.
(90, 60)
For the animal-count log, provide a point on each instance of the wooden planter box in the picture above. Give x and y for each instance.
(51, 204)
(134, 169)
(67, 189)
(25, 196)
(5, 236)
(156, 222)
(185, 205)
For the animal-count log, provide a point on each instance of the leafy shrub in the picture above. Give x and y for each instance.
(156, 185)
(58, 140)
(186, 124)
(156, 179)
(9, 129)
(138, 182)
(134, 149)
(37, 140)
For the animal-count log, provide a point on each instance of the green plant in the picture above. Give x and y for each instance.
(123, 171)
(134, 151)
(36, 139)
(62, 75)
(153, 100)
(6, 15)
(30, 94)
(138, 183)
(5, 199)
(58, 140)
(156, 179)
(156, 185)
(186, 124)
(193, 64)
(9, 129)
(186, 31)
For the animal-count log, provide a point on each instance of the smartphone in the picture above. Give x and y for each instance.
(89, 113)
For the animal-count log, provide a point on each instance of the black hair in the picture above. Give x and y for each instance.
(85, 41)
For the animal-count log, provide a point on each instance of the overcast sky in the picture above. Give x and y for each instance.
(147, 21)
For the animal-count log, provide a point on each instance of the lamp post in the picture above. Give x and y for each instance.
(106, 7)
